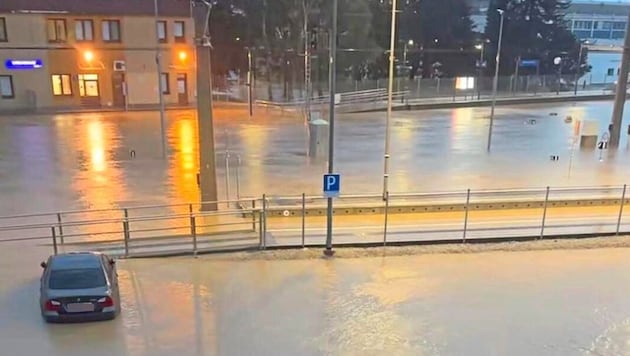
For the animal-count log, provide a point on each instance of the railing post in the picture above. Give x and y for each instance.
(54, 239)
(466, 215)
(253, 214)
(303, 218)
(386, 217)
(126, 236)
(544, 217)
(60, 228)
(193, 232)
(190, 208)
(263, 219)
(623, 201)
(227, 178)
(260, 228)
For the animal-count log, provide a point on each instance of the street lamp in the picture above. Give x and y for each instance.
(390, 89)
(481, 48)
(88, 56)
(578, 67)
(557, 61)
(495, 82)
(158, 65)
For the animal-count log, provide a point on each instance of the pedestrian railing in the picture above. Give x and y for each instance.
(300, 221)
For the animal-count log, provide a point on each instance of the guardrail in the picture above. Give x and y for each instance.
(259, 223)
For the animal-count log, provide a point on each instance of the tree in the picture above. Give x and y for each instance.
(441, 31)
(533, 29)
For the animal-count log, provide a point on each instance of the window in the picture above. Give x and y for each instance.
(164, 83)
(84, 278)
(607, 25)
(57, 30)
(179, 31)
(610, 72)
(111, 31)
(83, 30)
(582, 25)
(161, 32)
(595, 25)
(61, 84)
(6, 87)
(3, 30)
(619, 25)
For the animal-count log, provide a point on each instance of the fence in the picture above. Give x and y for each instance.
(299, 221)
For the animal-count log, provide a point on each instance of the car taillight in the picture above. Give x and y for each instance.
(52, 305)
(106, 302)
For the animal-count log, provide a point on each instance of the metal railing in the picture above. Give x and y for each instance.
(277, 221)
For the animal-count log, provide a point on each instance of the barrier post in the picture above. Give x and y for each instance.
(544, 217)
(193, 232)
(303, 218)
(623, 201)
(60, 228)
(466, 215)
(54, 239)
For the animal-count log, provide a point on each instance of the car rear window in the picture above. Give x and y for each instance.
(77, 278)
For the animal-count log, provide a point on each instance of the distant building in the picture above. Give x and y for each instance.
(57, 54)
(599, 24)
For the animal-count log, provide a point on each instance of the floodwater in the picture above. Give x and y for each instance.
(561, 302)
(84, 161)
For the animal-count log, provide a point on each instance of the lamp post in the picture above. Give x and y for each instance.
(392, 48)
(578, 67)
(481, 48)
(332, 75)
(557, 62)
(158, 63)
(495, 82)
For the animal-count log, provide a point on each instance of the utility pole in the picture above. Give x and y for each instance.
(332, 74)
(207, 171)
(620, 96)
(158, 63)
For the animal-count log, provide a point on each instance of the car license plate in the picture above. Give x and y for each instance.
(79, 307)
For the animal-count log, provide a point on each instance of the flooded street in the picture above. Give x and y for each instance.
(562, 302)
(85, 161)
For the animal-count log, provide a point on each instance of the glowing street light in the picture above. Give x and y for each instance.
(182, 55)
(88, 56)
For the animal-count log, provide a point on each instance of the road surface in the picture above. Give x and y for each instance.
(82, 161)
(562, 302)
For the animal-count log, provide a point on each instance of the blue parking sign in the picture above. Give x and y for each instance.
(332, 185)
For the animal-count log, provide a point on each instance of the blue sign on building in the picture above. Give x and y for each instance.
(332, 185)
(15, 64)
(529, 63)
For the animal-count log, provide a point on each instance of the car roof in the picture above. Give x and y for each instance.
(75, 261)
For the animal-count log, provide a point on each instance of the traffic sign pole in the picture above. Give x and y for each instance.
(331, 131)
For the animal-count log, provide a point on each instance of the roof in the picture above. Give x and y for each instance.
(76, 260)
(175, 8)
(598, 8)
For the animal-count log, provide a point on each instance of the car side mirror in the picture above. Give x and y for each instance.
(44, 265)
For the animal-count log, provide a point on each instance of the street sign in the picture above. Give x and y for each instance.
(332, 185)
(529, 63)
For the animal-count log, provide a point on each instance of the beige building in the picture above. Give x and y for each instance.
(66, 54)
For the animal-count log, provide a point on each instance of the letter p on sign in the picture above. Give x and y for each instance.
(332, 184)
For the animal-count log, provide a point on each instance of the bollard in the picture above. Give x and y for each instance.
(386, 216)
(623, 201)
(303, 218)
(254, 214)
(263, 220)
(466, 215)
(60, 228)
(193, 232)
(544, 217)
(54, 238)
(126, 236)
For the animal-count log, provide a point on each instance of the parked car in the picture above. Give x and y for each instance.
(79, 287)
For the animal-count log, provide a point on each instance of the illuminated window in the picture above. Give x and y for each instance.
(164, 81)
(111, 30)
(6, 87)
(3, 30)
(83, 30)
(62, 85)
(88, 85)
(179, 31)
(57, 30)
(161, 32)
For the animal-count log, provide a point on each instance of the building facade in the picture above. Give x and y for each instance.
(64, 54)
